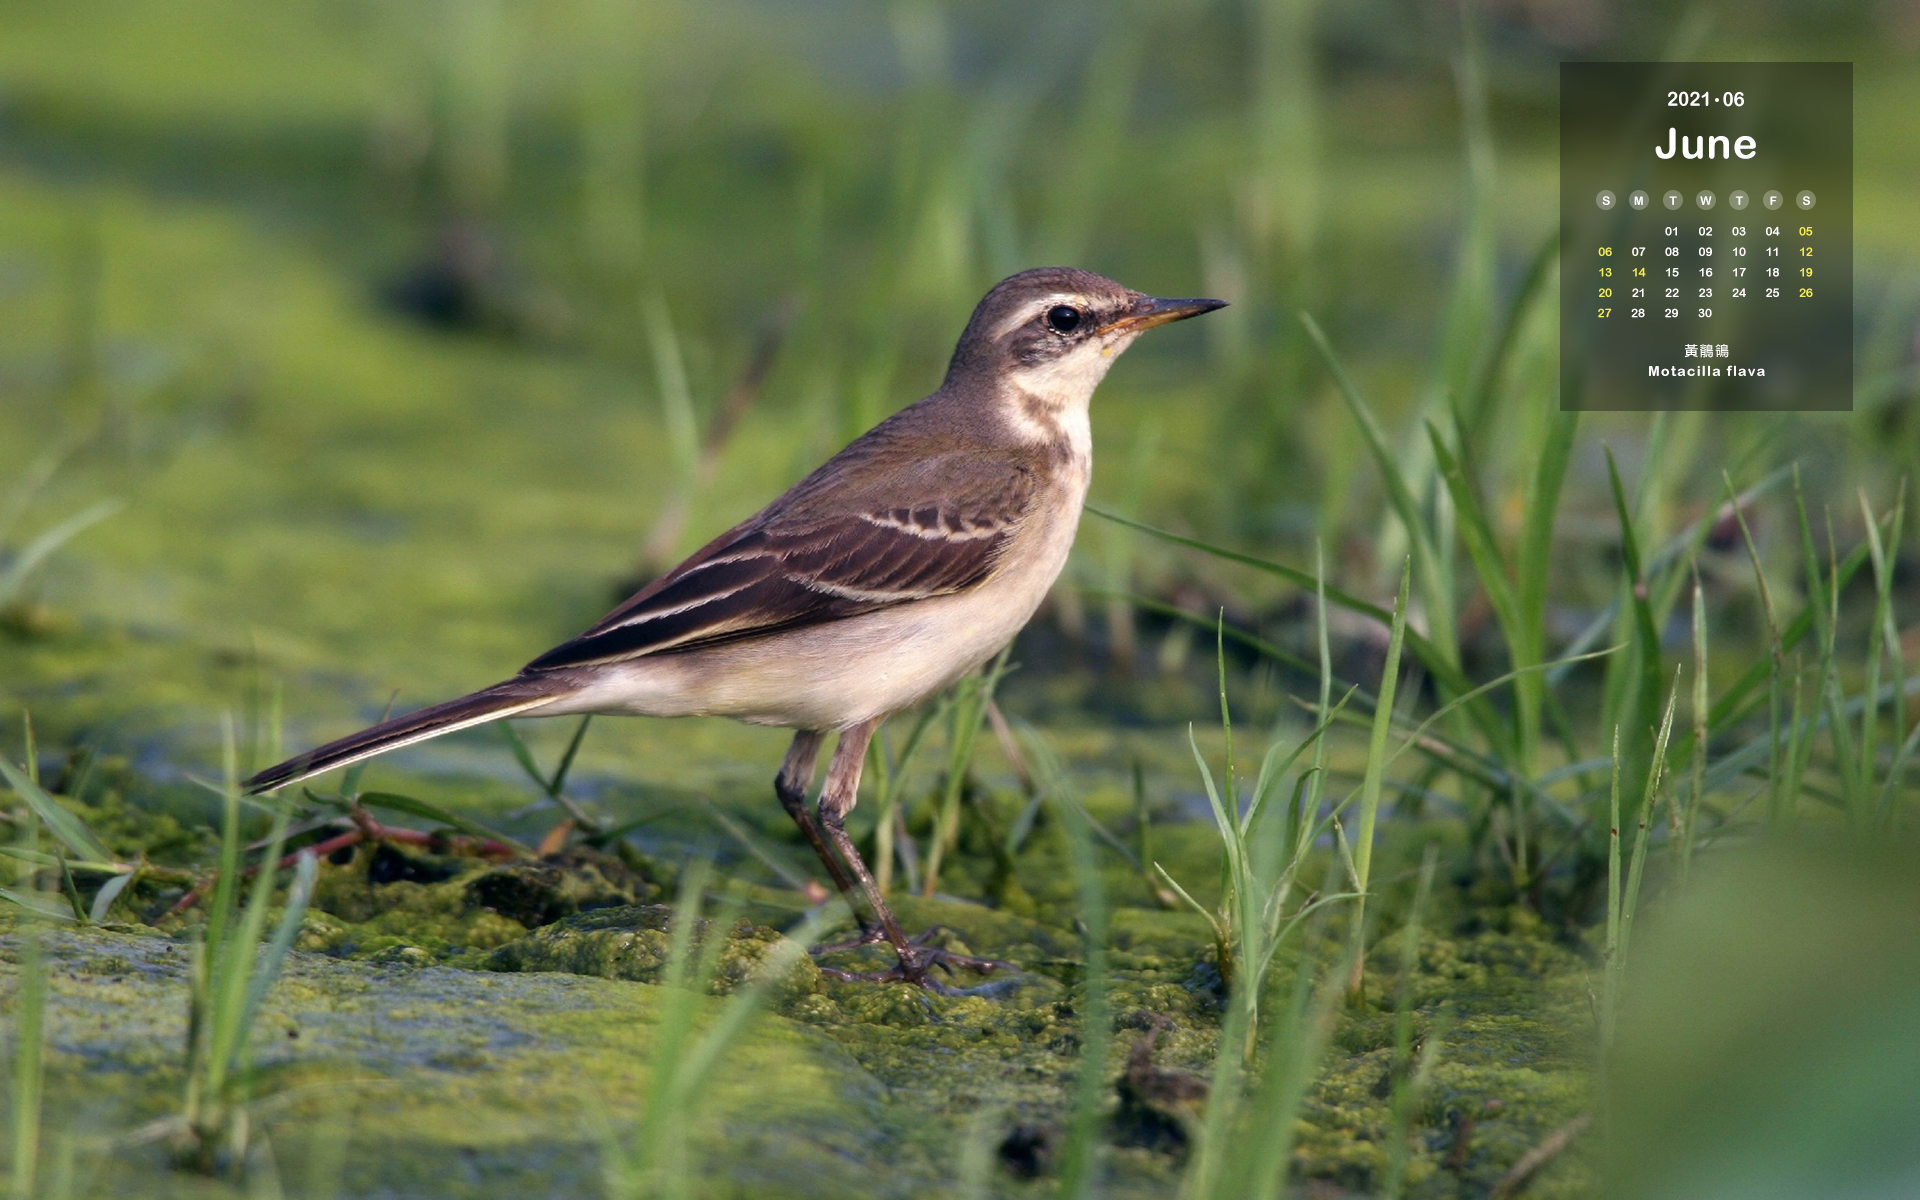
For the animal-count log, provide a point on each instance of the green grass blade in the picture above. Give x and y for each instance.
(522, 755)
(41, 858)
(37, 904)
(1639, 691)
(1483, 546)
(28, 1011)
(1408, 1083)
(68, 829)
(675, 393)
(1683, 546)
(1399, 494)
(1296, 1045)
(235, 985)
(1630, 899)
(108, 893)
(1610, 979)
(1701, 708)
(696, 1068)
(14, 576)
(1377, 760)
(1436, 661)
(1476, 401)
(558, 783)
(1400, 497)
(1079, 1168)
(267, 968)
(1883, 641)
(1534, 552)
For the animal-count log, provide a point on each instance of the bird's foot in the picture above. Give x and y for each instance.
(871, 935)
(917, 963)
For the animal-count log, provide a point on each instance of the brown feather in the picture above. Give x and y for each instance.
(888, 520)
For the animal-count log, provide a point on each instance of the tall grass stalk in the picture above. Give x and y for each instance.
(1247, 1131)
(889, 773)
(1696, 792)
(964, 719)
(18, 566)
(28, 1019)
(553, 785)
(1371, 780)
(1779, 798)
(230, 977)
(1412, 1067)
(1623, 895)
(1884, 642)
(654, 1159)
(1261, 857)
(1079, 1157)
(1121, 647)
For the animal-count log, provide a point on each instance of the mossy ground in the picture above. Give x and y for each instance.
(488, 1049)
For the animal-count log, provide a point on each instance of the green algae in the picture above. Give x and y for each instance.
(1508, 1004)
(462, 1083)
(386, 901)
(391, 1003)
(1505, 1001)
(633, 943)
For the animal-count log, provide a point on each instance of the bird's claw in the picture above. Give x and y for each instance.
(916, 964)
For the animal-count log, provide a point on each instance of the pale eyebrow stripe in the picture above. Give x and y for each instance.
(1035, 309)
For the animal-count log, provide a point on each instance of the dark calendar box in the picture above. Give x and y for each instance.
(1706, 236)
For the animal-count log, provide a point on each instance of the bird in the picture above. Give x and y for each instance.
(907, 560)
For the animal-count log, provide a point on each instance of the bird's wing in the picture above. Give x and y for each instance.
(832, 548)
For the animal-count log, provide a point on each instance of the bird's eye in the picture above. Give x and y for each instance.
(1063, 318)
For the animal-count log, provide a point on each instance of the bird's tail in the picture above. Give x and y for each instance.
(488, 704)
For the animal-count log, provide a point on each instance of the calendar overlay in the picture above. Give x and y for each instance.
(1706, 236)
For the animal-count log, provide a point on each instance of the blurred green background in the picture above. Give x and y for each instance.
(405, 334)
(397, 327)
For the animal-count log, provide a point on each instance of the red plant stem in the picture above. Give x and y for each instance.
(365, 829)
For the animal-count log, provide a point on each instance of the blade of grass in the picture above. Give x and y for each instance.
(1409, 1075)
(1399, 496)
(550, 786)
(108, 893)
(968, 714)
(69, 830)
(1701, 707)
(1079, 1166)
(14, 576)
(28, 1018)
(1476, 401)
(891, 777)
(1431, 657)
(1376, 766)
(1257, 1162)
(1885, 640)
(1684, 546)
(1635, 693)
(558, 783)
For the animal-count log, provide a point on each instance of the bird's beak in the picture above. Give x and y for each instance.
(1148, 311)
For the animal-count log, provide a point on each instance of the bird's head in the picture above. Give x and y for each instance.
(1050, 334)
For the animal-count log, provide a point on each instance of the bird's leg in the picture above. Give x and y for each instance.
(837, 797)
(791, 784)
